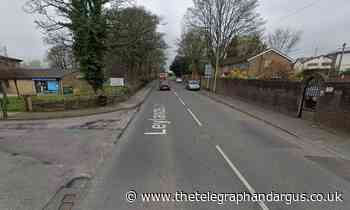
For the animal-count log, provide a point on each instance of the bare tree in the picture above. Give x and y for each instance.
(221, 21)
(284, 40)
(60, 57)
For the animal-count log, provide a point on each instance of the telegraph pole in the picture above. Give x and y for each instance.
(341, 59)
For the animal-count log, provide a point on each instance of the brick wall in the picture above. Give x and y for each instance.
(268, 62)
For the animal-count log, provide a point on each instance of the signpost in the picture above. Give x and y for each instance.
(208, 73)
(117, 82)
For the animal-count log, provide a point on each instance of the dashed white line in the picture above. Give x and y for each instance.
(189, 110)
(183, 103)
(240, 176)
(180, 99)
(194, 117)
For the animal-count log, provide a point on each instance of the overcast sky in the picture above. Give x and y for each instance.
(324, 23)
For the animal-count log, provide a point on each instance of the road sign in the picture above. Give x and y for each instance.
(208, 71)
(117, 82)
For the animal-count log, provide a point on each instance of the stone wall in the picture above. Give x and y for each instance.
(333, 108)
(281, 96)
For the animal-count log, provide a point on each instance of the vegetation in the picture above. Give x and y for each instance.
(238, 74)
(84, 23)
(136, 50)
(16, 104)
(192, 47)
(246, 46)
(284, 40)
(101, 40)
(346, 72)
(61, 57)
(180, 66)
(221, 21)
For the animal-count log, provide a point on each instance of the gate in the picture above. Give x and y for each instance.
(312, 93)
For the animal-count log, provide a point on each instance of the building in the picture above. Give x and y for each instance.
(322, 65)
(22, 81)
(298, 65)
(345, 61)
(232, 64)
(270, 64)
(7, 62)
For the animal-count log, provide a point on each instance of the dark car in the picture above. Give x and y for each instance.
(164, 85)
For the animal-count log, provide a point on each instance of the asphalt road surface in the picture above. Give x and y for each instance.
(182, 141)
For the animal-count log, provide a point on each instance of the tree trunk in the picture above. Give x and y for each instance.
(16, 84)
(216, 71)
(3, 102)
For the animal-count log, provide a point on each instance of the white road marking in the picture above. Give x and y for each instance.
(240, 176)
(159, 121)
(183, 103)
(156, 133)
(180, 99)
(194, 117)
(189, 110)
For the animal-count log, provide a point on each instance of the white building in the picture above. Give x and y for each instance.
(315, 63)
(345, 64)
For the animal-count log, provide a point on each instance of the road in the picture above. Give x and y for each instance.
(197, 144)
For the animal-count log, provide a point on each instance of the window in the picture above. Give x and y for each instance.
(312, 64)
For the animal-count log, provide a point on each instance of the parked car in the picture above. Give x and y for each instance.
(193, 85)
(179, 80)
(164, 85)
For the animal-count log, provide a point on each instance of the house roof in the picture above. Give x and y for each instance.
(306, 59)
(11, 59)
(21, 73)
(232, 61)
(272, 50)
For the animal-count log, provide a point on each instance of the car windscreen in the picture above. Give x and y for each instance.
(193, 82)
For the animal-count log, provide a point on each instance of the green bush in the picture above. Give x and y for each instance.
(115, 91)
(16, 104)
(49, 98)
(346, 72)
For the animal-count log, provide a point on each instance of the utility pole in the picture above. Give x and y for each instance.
(5, 51)
(341, 59)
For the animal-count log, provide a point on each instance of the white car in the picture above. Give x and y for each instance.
(193, 85)
(179, 80)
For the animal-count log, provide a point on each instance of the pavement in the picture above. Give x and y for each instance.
(39, 158)
(334, 141)
(185, 141)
